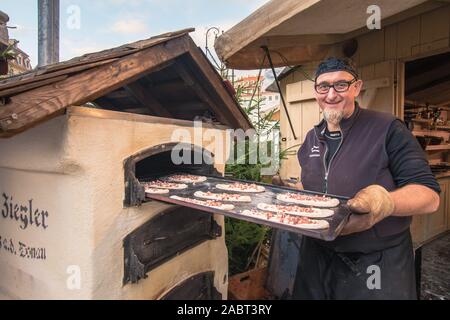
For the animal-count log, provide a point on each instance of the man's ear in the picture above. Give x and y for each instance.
(358, 87)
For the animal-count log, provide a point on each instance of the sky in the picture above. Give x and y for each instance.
(89, 26)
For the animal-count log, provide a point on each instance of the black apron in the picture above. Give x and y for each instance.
(387, 274)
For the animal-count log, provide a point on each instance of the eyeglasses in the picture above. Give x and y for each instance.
(340, 86)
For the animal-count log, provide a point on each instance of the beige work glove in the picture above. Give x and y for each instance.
(276, 180)
(369, 206)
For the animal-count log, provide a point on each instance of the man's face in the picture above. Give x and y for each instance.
(337, 105)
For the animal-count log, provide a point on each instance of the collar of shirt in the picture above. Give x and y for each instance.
(333, 135)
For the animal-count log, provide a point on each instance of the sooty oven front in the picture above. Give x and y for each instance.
(173, 230)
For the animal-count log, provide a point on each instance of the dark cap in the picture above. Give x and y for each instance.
(335, 64)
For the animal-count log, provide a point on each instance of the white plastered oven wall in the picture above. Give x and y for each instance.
(73, 167)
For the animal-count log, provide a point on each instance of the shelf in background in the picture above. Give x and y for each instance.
(438, 147)
(434, 133)
(441, 175)
(428, 121)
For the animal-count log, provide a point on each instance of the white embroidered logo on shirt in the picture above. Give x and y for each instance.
(315, 152)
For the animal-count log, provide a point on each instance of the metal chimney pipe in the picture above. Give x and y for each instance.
(48, 32)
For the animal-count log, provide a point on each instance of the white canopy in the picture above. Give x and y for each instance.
(298, 31)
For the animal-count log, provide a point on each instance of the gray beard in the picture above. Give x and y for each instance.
(333, 116)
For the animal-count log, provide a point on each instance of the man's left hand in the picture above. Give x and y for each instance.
(369, 206)
(276, 180)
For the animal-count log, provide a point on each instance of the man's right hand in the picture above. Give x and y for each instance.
(276, 180)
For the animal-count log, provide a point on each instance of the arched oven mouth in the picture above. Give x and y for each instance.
(175, 229)
(165, 236)
(198, 287)
(156, 162)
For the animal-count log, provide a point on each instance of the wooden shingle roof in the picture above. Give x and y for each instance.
(166, 75)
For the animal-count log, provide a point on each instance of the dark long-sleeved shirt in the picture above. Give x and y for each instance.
(407, 160)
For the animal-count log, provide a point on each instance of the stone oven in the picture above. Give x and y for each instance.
(77, 138)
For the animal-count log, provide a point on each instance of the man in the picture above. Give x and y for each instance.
(372, 158)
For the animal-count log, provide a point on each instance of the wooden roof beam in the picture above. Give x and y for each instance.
(107, 103)
(434, 95)
(144, 96)
(189, 105)
(15, 84)
(239, 118)
(193, 83)
(426, 85)
(278, 22)
(423, 79)
(27, 108)
(257, 24)
(118, 94)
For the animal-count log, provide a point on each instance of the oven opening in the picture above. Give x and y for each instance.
(164, 237)
(177, 228)
(159, 161)
(198, 287)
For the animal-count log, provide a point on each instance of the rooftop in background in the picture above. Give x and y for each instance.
(22, 61)
(283, 74)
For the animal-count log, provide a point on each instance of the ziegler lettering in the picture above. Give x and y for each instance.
(22, 250)
(31, 253)
(26, 215)
(7, 245)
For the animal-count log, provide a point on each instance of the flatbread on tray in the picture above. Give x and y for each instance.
(206, 203)
(296, 221)
(186, 178)
(156, 191)
(296, 210)
(165, 185)
(231, 197)
(309, 200)
(240, 187)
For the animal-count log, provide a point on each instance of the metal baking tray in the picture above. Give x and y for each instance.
(336, 221)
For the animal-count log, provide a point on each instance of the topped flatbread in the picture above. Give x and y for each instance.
(222, 196)
(186, 178)
(309, 200)
(296, 210)
(156, 191)
(206, 203)
(165, 185)
(241, 187)
(300, 222)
